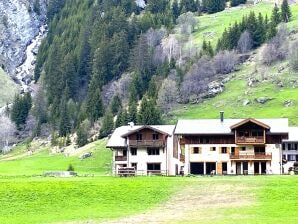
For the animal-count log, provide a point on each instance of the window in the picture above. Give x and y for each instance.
(224, 150)
(195, 150)
(213, 149)
(153, 166)
(134, 165)
(291, 157)
(133, 151)
(283, 146)
(139, 136)
(242, 148)
(153, 151)
(233, 150)
(296, 146)
(155, 136)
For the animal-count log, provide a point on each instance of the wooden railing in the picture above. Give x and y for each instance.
(146, 143)
(256, 156)
(120, 158)
(250, 140)
(182, 158)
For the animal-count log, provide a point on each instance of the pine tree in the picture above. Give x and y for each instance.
(235, 3)
(132, 112)
(115, 104)
(107, 125)
(175, 9)
(275, 17)
(285, 11)
(149, 114)
(64, 123)
(20, 109)
(82, 134)
(94, 107)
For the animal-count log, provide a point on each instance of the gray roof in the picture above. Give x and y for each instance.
(215, 126)
(116, 140)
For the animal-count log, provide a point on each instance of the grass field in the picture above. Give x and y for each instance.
(8, 89)
(15, 165)
(246, 199)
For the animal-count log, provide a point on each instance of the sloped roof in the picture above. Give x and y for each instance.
(259, 123)
(144, 127)
(215, 126)
(117, 141)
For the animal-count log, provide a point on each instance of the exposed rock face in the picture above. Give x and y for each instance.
(20, 22)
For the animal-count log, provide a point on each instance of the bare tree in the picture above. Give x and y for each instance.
(293, 56)
(187, 23)
(154, 37)
(196, 80)
(167, 94)
(7, 131)
(277, 48)
(170, 46)
(245, 42)
(225, 62)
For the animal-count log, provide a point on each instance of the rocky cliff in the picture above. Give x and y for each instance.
(20, 23)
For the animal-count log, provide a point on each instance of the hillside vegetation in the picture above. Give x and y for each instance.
(8, 89)
(239, 99)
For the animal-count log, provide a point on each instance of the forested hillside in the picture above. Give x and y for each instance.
(105, 63)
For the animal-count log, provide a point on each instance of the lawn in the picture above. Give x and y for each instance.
(8, 89)
(99, 164)
(246, 199)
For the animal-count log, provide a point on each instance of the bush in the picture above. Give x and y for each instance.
(70, 167)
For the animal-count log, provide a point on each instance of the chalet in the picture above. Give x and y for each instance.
(147, 149)
(290, 149)
(203, 146)
(231, 146)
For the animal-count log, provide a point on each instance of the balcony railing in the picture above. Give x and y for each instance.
(120, 158)
(146, 143)
(256, 156)
(250, 140)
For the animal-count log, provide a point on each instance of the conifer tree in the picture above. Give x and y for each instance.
(115, 104)
(94, 107)
(82, 135)
(149, 114)
(285, 11)
(20, 109)
(275, 17)
(175, 9)
(107, 125)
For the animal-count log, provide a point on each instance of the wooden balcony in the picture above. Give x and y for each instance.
(146, 143)
(250, 140)
(120, 158)
(256, 156)
(182, 158)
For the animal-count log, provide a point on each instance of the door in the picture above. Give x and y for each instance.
(197, 168)
(245, 168)
(263, 168)
(256, 168)
(238, 168)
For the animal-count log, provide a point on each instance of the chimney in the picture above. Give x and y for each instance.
(221, 116)
(131, 124)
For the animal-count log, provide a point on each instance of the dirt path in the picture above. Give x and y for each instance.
(195, 204)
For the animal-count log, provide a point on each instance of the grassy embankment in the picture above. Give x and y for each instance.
(236, 90)
(7, 89)
(19, 163)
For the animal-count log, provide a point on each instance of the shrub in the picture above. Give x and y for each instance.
(70, 167)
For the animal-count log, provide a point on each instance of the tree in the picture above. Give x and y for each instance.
(94, 107)
(225, 62)
(167, 95)
(64, 122)
(116, 104)
(275, 17)
(285, 11)
(149, 114)
(175, 9)
(293, 56)
(107, 125)
(245, 42)
(82, 133)
(20, 109)
(6, 133)
(213, 6)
